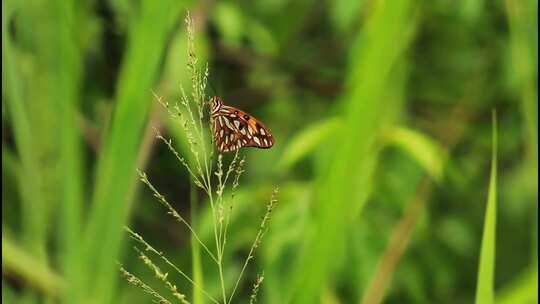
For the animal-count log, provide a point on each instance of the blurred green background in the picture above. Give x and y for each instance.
(382, 114)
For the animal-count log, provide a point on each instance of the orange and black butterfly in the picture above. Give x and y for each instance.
(234, 129)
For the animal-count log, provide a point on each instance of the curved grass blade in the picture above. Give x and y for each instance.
(486, 266)
(115, 176)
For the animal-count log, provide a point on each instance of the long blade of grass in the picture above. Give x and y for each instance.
(522, 19)
(486, 266)
(306, 140)
(386, 267)
(56, 60)
(16, 260)
(32, 201)
(116, 168)
(34, 207)
(377, 70)
(404, 229)
(172, 77)
(522, 16)
(523, 289)
(426, 151)
(65, 63)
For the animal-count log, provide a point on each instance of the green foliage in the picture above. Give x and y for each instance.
(486, 265)
(424, 150)
(381, 115)
(307, 140)
(117, 162)
(524, 289)
(370, 72)
(18, 261)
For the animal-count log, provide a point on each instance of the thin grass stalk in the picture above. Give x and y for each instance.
(258, 238)
(198, 85)
(486, 265)
(222, 183)
(173, 212)
(190, 113)
(162, 276)
(137, 237)
(196, 264)
(135, 281)
(239, 170)
(177, 115)
(255, 290)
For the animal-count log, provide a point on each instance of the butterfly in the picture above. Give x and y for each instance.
(234, 129)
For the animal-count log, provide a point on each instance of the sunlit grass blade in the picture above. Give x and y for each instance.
(56, 60)
(306, 140)
(196, 262)
(522, 19)
(33, 237)
(65, 65)
(400, 239)
(32, 272)
(34, 232)
(115, 176)
(375, 84)
(524, 289)
(486, 265)
(426, 151)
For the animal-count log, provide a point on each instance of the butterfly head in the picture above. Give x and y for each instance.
(215, 104)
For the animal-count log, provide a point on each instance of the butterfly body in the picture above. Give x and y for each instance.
(234, 129)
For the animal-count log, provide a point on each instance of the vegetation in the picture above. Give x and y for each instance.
(397, 181)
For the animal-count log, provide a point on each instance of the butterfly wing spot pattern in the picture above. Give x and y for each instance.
(234, 129)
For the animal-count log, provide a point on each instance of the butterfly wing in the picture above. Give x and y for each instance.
(226, 136)
(256, 133)
(234, 129)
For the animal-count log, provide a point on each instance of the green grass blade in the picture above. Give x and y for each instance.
(523, 289)
(33, 234)
(486, 266)
(24, 265)
(196, 262)
(64, 64)
(522, 19)
(115, 175)
(375, 80)
(174, 73)
(55, 60)
(32, 201)
(306, 140)
(426, 151)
